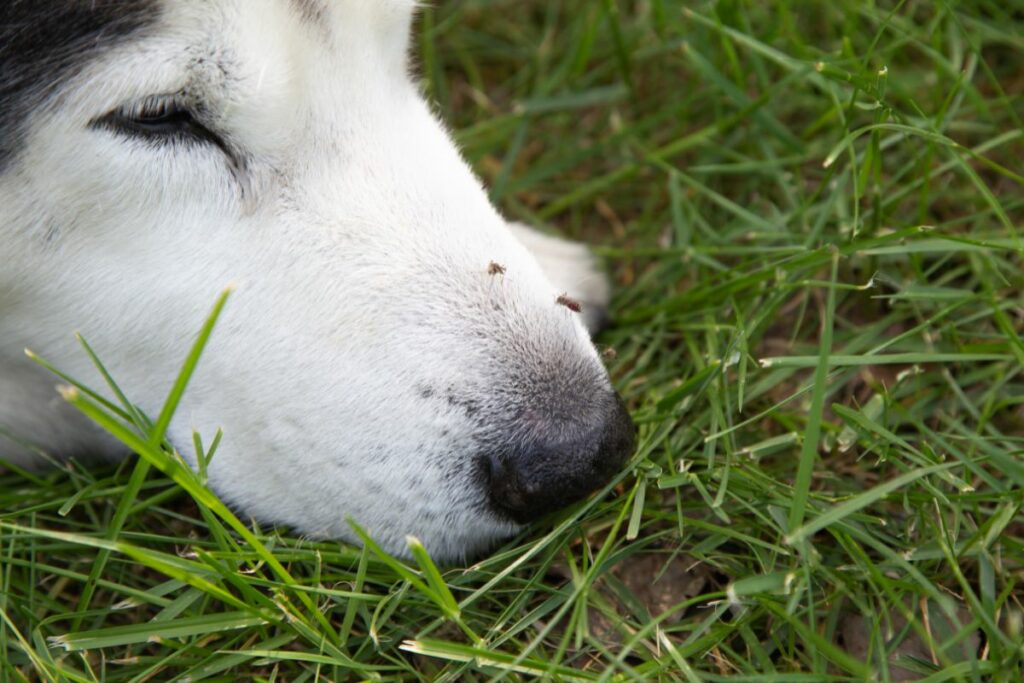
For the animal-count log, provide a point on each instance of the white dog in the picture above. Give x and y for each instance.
(395, 351)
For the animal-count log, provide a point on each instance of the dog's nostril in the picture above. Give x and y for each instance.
(530, 481)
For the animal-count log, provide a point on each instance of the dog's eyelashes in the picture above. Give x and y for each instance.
(161, 118)
(157, 116)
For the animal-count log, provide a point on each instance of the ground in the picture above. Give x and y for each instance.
(812, 213)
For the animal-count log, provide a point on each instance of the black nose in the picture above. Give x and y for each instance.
(571, 459)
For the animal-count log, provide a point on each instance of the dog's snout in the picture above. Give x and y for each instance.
(543, 474)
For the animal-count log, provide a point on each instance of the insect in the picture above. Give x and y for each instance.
(495, 269)
(570, 303)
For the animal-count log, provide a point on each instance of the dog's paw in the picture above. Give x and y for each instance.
(572, 268)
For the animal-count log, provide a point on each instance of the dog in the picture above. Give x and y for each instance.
(395, 351)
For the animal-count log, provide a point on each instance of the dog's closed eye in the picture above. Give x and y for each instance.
(161, 119)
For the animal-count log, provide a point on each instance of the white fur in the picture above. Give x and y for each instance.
(360, 246)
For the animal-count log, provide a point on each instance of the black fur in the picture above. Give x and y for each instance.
(43, 43)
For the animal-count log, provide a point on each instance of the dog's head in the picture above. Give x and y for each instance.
(392, 351)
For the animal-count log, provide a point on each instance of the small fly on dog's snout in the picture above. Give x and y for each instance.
(570, 303)
(494, 268)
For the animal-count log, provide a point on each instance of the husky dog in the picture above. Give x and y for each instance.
(395, 351)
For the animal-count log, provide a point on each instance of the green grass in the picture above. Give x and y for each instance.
(813, 214)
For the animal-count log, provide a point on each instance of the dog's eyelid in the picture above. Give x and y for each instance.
(163, 119)
(155, 105)
(151, 110)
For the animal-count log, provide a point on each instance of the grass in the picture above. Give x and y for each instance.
(813, 214)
